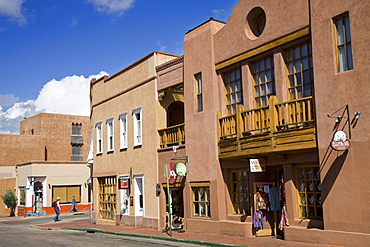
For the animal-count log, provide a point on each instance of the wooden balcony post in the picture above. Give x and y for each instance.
(239, 126)
(273, 114)
(218, 116)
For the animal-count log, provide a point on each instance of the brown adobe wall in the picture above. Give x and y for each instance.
(345, 174)
(17, 149)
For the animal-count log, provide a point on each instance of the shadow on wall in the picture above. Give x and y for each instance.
(332, 174)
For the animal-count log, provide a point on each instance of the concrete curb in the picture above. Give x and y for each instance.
(93, 230)
(44, 228)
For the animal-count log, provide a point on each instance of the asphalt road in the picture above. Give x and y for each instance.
(16, 231)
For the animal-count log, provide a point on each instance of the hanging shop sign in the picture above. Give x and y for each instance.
(124, 183)
(180, 169)
(172, 173)
(257, 165)
(340, 141)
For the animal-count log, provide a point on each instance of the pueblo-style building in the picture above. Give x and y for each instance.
(45, 161)
(258, 129)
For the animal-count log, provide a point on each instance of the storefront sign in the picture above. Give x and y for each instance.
(257, 165)
(340, 141)
(172, 177)
(124, 183)
(180, 169)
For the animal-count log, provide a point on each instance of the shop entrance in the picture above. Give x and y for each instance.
(177, 208)
(268, 202)
(38, 188)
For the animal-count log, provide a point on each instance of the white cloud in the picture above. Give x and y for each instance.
(161, 46)
(115, 7)
(7, 99)
(74, 22)
(70, 95)
(218, 12)
(14, 10)
(9, 120)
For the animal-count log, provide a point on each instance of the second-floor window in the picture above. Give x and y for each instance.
(76, 153)
(300, 71)
(199, 93)
(123, 131)
(343, 40)
(110, 135)
(233, 86)
(76, 134)
(264, 80)
(99, 140)
(137, 127)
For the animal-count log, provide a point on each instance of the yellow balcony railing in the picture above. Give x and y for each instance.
(268, 119)
(172, 135)
(295, 113)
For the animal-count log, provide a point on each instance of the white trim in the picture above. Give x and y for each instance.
(139, 191)
(110, 135)
(138, 126)
(123, 131)
(99, 137)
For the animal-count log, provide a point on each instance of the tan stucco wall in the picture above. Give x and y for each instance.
(18, 148)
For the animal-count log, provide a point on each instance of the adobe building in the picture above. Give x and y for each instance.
(280, 133)
(125, 117)
(34, 163)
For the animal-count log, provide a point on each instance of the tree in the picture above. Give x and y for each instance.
(10, 201)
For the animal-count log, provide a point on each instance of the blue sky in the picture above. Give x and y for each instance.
(50, 49)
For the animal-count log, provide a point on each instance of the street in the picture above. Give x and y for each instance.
(16, 231)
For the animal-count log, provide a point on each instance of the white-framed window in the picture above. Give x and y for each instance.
(123, 131)
(110, 135)
(99, 140)
(137, 116)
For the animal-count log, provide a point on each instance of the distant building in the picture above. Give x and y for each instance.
(47, 160)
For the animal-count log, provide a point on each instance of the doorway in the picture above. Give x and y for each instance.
(267, 205)
(139, 195)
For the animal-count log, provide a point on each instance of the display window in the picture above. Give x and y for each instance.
(308, 186)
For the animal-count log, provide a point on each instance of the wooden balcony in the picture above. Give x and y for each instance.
(174, 135)
(277, 127)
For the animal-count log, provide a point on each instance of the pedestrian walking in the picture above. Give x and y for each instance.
(56, 209)
(74, 203)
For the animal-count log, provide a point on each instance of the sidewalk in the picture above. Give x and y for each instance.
(185, 237)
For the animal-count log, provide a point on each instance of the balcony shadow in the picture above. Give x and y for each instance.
(332, 174)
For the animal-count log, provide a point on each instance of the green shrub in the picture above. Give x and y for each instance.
(10, 200)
